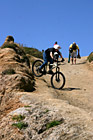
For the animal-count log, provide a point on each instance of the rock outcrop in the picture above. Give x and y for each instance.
(9, 39)
(15, 73)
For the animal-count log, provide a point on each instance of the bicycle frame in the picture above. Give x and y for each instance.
(56, 65)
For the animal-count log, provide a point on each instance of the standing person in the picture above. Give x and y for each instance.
(48, 56)
(73, 52)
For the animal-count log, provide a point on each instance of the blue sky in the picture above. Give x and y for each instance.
(39, 23)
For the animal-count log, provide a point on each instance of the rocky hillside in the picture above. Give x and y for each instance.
(15, 69)
(44, 113)
(15, 73)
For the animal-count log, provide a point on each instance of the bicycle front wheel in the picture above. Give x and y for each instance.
(35, 68)
(58, 80)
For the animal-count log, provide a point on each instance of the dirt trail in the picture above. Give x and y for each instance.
(73, 104)
(78, 90)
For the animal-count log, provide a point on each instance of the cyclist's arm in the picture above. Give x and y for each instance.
(61, 57)
(60, 54)
(51, 55)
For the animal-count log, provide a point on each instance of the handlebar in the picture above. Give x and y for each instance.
(56, 63)
(56, 60)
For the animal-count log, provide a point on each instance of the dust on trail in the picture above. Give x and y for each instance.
(78, 90)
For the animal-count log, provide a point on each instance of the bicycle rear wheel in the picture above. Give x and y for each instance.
(58, 80)
(35, 68)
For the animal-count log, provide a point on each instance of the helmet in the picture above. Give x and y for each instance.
(74, 43)
(56, 46)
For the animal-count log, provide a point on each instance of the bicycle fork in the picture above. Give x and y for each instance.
(57, 74)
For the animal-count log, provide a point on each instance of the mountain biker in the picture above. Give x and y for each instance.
(48, 56)
(73, 51)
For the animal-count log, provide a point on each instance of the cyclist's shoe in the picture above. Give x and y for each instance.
(40, 70)
(44, 72)
(50, 72)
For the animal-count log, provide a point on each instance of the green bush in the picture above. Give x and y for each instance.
(20, 125)
(15, 47)
(53, 123)
(90, 57)
(18, 117)
(27, 106)
(50, 124)
(33, 52)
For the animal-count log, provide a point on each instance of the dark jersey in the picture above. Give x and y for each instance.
(51, 50)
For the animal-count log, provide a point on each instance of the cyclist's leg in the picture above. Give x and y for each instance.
(51, 62)
(45, 61)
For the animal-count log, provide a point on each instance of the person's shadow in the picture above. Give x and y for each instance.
(80, 63)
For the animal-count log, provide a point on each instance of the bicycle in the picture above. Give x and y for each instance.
(57, 78)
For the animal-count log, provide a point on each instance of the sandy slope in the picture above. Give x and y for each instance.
(78, 90)
(74, 102)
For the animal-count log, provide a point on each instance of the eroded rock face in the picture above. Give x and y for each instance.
(9, 39)
(15, 74)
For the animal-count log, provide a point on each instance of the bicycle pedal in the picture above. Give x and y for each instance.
(44, 72)
(50, 72)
